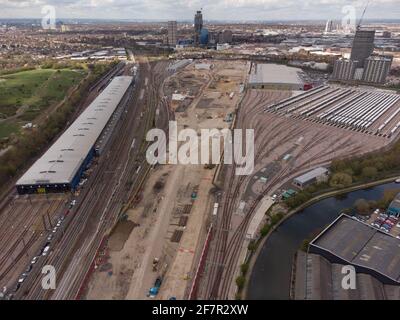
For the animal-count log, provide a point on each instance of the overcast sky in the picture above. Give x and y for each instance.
(212, 9)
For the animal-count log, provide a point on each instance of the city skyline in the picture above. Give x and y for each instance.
(260, 10)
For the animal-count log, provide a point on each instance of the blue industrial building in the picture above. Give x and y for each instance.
(394, 207)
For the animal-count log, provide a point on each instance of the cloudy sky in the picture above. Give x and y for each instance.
(212, 9)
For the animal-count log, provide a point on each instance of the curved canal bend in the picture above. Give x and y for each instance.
(270, 277)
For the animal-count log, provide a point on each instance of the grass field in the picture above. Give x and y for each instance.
(25, 95)
(7, 128)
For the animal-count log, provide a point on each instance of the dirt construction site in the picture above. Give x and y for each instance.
(163, 235)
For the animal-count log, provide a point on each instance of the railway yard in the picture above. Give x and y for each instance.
(87, 215)
(131, 222)
(364, 110)
(292, 143)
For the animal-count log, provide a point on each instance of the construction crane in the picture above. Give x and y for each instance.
(362, 16)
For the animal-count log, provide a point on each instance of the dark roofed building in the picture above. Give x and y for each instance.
(369, 250)
(319, 279)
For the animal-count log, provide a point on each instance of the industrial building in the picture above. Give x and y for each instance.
(316, 175)
(61, 167)
(377, 69)
(394, 207)
(276, 77)
(172, 33)
(316, 278)
(350, 242)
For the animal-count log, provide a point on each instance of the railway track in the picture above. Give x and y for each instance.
(100, 205)
(223, 257)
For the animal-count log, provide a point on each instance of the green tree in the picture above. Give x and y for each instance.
(240, 281)
(362, 206)
(369, 172)
(340, 180)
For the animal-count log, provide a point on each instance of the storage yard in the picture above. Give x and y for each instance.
(369, 111)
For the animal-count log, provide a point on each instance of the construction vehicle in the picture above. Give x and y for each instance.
(155, 264)
(157, 284)
(156, 288)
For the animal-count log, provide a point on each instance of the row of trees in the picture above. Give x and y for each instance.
(346, 172)
(30, 145)
(364, 207)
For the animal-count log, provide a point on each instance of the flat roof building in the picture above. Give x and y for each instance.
(61, 167)
(275, 76)
(369, 250)
(318, 279)
(316, 175)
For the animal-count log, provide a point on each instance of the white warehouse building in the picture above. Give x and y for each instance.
(61, 167)
(275, 77)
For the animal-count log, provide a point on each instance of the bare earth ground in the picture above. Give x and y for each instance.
(153, 223)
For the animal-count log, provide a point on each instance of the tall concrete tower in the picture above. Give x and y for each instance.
(329, 26)
(172, 33)
(198, 25)
(363, 46)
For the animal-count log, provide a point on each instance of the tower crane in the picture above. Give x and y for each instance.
(362, 16)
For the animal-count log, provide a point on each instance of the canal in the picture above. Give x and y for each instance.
(270, 278)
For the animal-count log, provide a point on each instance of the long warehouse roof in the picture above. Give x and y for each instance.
(275, 73)
(63, 159)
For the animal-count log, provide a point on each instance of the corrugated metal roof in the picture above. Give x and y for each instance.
(275, 73)
(63, 159)
(311, 175)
